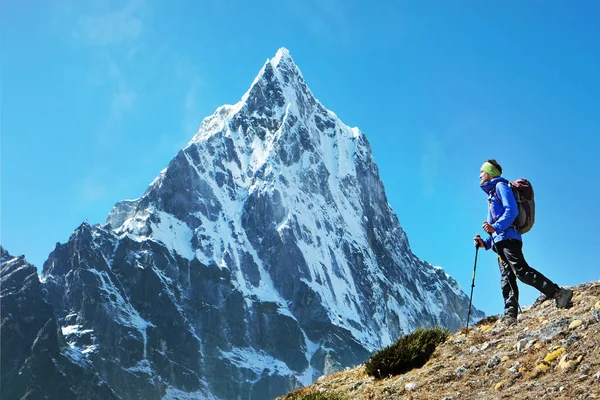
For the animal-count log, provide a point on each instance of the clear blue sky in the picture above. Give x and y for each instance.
(96, 98)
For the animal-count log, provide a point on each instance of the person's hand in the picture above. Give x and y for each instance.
(478, 241)
(488, 228)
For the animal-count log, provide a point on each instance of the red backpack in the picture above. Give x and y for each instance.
(523, 192)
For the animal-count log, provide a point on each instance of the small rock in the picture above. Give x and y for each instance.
(574, 338)
(474, 350)
(460, 371)
(410, 386)
(597, 376)
(499, 385)
(392, 389)
(357, 385)
(597, 305)
(514, 369)
(583, 377)
(530, 343)
(493, 362)
(549, 332)
(520, 346)
(505, 358)
(560, 389)
(485, 346)
(585, 368)
(575, 324)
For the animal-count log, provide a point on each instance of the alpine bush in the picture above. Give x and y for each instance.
(409, 352)
(304, 394)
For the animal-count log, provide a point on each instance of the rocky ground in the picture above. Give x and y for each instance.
(549, 354)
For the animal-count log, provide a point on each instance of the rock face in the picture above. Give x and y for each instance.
(264, 255)
(33, 365)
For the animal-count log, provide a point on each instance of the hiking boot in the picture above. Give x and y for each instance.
(563, 298)
(508, 320)
(541, 299)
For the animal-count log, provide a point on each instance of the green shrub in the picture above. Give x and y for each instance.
(409, 352)
(306, 394)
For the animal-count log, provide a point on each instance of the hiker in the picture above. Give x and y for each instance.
(505, 239)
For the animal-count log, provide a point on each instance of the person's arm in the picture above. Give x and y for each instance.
(488, 242)
(511, 208)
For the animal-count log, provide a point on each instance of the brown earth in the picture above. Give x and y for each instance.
(549, 354)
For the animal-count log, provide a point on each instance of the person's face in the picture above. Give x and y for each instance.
(484, 177)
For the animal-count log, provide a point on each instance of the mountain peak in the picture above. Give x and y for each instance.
(282, 56)
(283, 82)
(277, 90)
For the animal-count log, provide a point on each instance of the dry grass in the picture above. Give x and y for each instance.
(308, 394)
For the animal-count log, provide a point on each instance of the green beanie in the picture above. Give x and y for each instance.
(490, 169)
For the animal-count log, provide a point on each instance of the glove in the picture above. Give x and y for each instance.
(478, 241)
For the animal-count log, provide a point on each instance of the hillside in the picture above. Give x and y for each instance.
(550, 353)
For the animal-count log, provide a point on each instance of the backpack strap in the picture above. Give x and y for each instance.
(492, 212)
(495, 193)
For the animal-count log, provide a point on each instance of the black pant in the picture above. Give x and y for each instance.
(512, 262)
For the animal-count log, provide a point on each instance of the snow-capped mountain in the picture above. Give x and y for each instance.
(263, 256)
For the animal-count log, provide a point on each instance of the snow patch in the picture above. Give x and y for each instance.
(74, 330)
(257, 361)
(174, 234)
(143, 366)
(122, 308)
(176, 394)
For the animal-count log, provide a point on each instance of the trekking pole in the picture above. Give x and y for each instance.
(472, 286)
(511, 267)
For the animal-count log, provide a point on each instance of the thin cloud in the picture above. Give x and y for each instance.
(328, 20)
(123, 97)
(431, 162)
(121, 100)
(186, 72)
(191, 114)
(91, 190)
(112, 27)
(113, 36)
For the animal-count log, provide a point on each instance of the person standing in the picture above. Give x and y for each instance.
(505, 239)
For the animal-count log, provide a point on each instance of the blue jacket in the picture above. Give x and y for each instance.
(502, 211)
